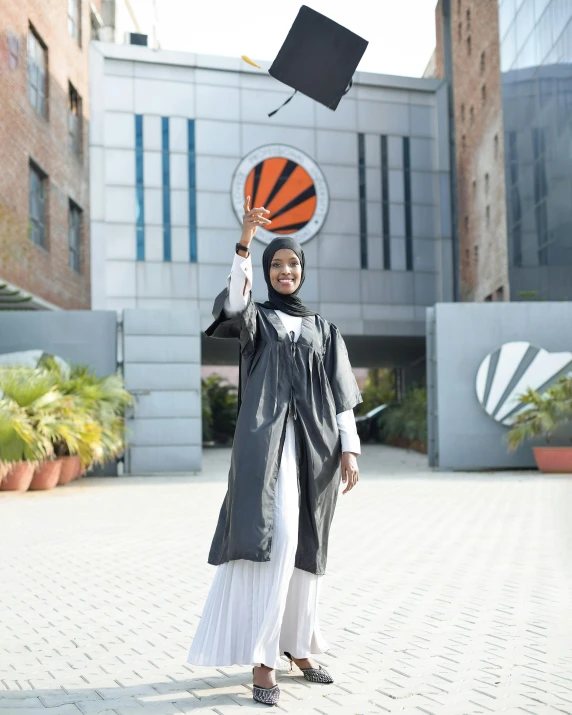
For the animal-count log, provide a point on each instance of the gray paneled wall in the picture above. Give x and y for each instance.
(81, 337)
(459, 337)
(162, 365)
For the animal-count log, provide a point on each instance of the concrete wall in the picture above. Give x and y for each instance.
(81, 337)
(162, 367)
(464, 334)
(229, 102)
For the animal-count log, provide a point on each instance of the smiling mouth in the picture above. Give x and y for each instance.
(285, 281)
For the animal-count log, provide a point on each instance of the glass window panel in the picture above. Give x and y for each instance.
(74, 121)
(74, 14)
(508, 49)
(74, 229)
(36, 73)
(524, 23)
(37, 206)
(539, 8)
(507, 12)
(566, 42)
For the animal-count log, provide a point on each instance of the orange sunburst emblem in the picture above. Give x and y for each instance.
(289, 184)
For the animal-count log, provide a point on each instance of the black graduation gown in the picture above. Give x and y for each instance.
(312, 381)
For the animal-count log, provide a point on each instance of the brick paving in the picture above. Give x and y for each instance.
(447, 594)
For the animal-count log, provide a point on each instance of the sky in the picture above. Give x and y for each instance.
(401, 33)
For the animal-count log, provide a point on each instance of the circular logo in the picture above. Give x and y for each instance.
(286, 182)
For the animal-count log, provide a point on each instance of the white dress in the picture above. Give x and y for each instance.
(255, 611)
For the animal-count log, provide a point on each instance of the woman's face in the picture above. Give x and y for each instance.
(285, 271)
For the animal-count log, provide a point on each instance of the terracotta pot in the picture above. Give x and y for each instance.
(71, 469)
(46, 475)
(80, 472)
(18, 478)
(553, 459)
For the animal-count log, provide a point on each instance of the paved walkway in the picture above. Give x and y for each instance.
(446, 594)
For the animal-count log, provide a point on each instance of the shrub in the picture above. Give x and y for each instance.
(220, 406)
(408, 420)
(543, 413)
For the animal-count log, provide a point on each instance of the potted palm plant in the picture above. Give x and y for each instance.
(98, 407)
(56, 421)
(28, 407)
(20, 451)
(542, 414)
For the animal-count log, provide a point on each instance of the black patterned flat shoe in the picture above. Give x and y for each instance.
(313, 675)
(266, 696)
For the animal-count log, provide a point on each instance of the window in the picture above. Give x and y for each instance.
(482, 62)
(463, 113)
(407, 196)
(37, 73)
(488, 215)
(362, 201)
(469, 45)
(74, 233)
(468, 20)
(466, 225)
(74, 120)
(483, 95)
(476, 251)
(385, 203)
(496, 146)
(38, 187)
(74, 18)
(460, 31)
(459, 6)
(486, 184)
(139, 190)
(474, 188)
(472, 116)
(463, 142)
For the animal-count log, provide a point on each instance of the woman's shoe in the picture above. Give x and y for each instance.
(267, 696)
(313, 675)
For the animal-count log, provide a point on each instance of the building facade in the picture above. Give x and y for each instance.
(44, 154)
(509, 69)
(536, 74)
(176, 141)
(468, 57)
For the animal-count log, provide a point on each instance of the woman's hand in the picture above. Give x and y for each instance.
(253, 218)
(350, 470)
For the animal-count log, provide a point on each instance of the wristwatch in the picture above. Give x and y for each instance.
(240, 247)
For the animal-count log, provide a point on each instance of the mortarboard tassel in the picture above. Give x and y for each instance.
(271, 114)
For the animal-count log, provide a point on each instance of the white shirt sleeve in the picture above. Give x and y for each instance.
(348, 431)
(239, 284)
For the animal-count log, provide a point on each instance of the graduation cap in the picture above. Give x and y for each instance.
(318, 58)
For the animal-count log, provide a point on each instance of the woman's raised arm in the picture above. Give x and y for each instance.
(240, 277)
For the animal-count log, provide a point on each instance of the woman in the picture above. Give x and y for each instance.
(295, 424)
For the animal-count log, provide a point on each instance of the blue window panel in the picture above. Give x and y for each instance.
(166, 183)
(362, 201)
(139, 192)
(385, 225)
(192, 191)
(407, 195)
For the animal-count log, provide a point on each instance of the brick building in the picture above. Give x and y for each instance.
(468, 56)
(44, 125)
